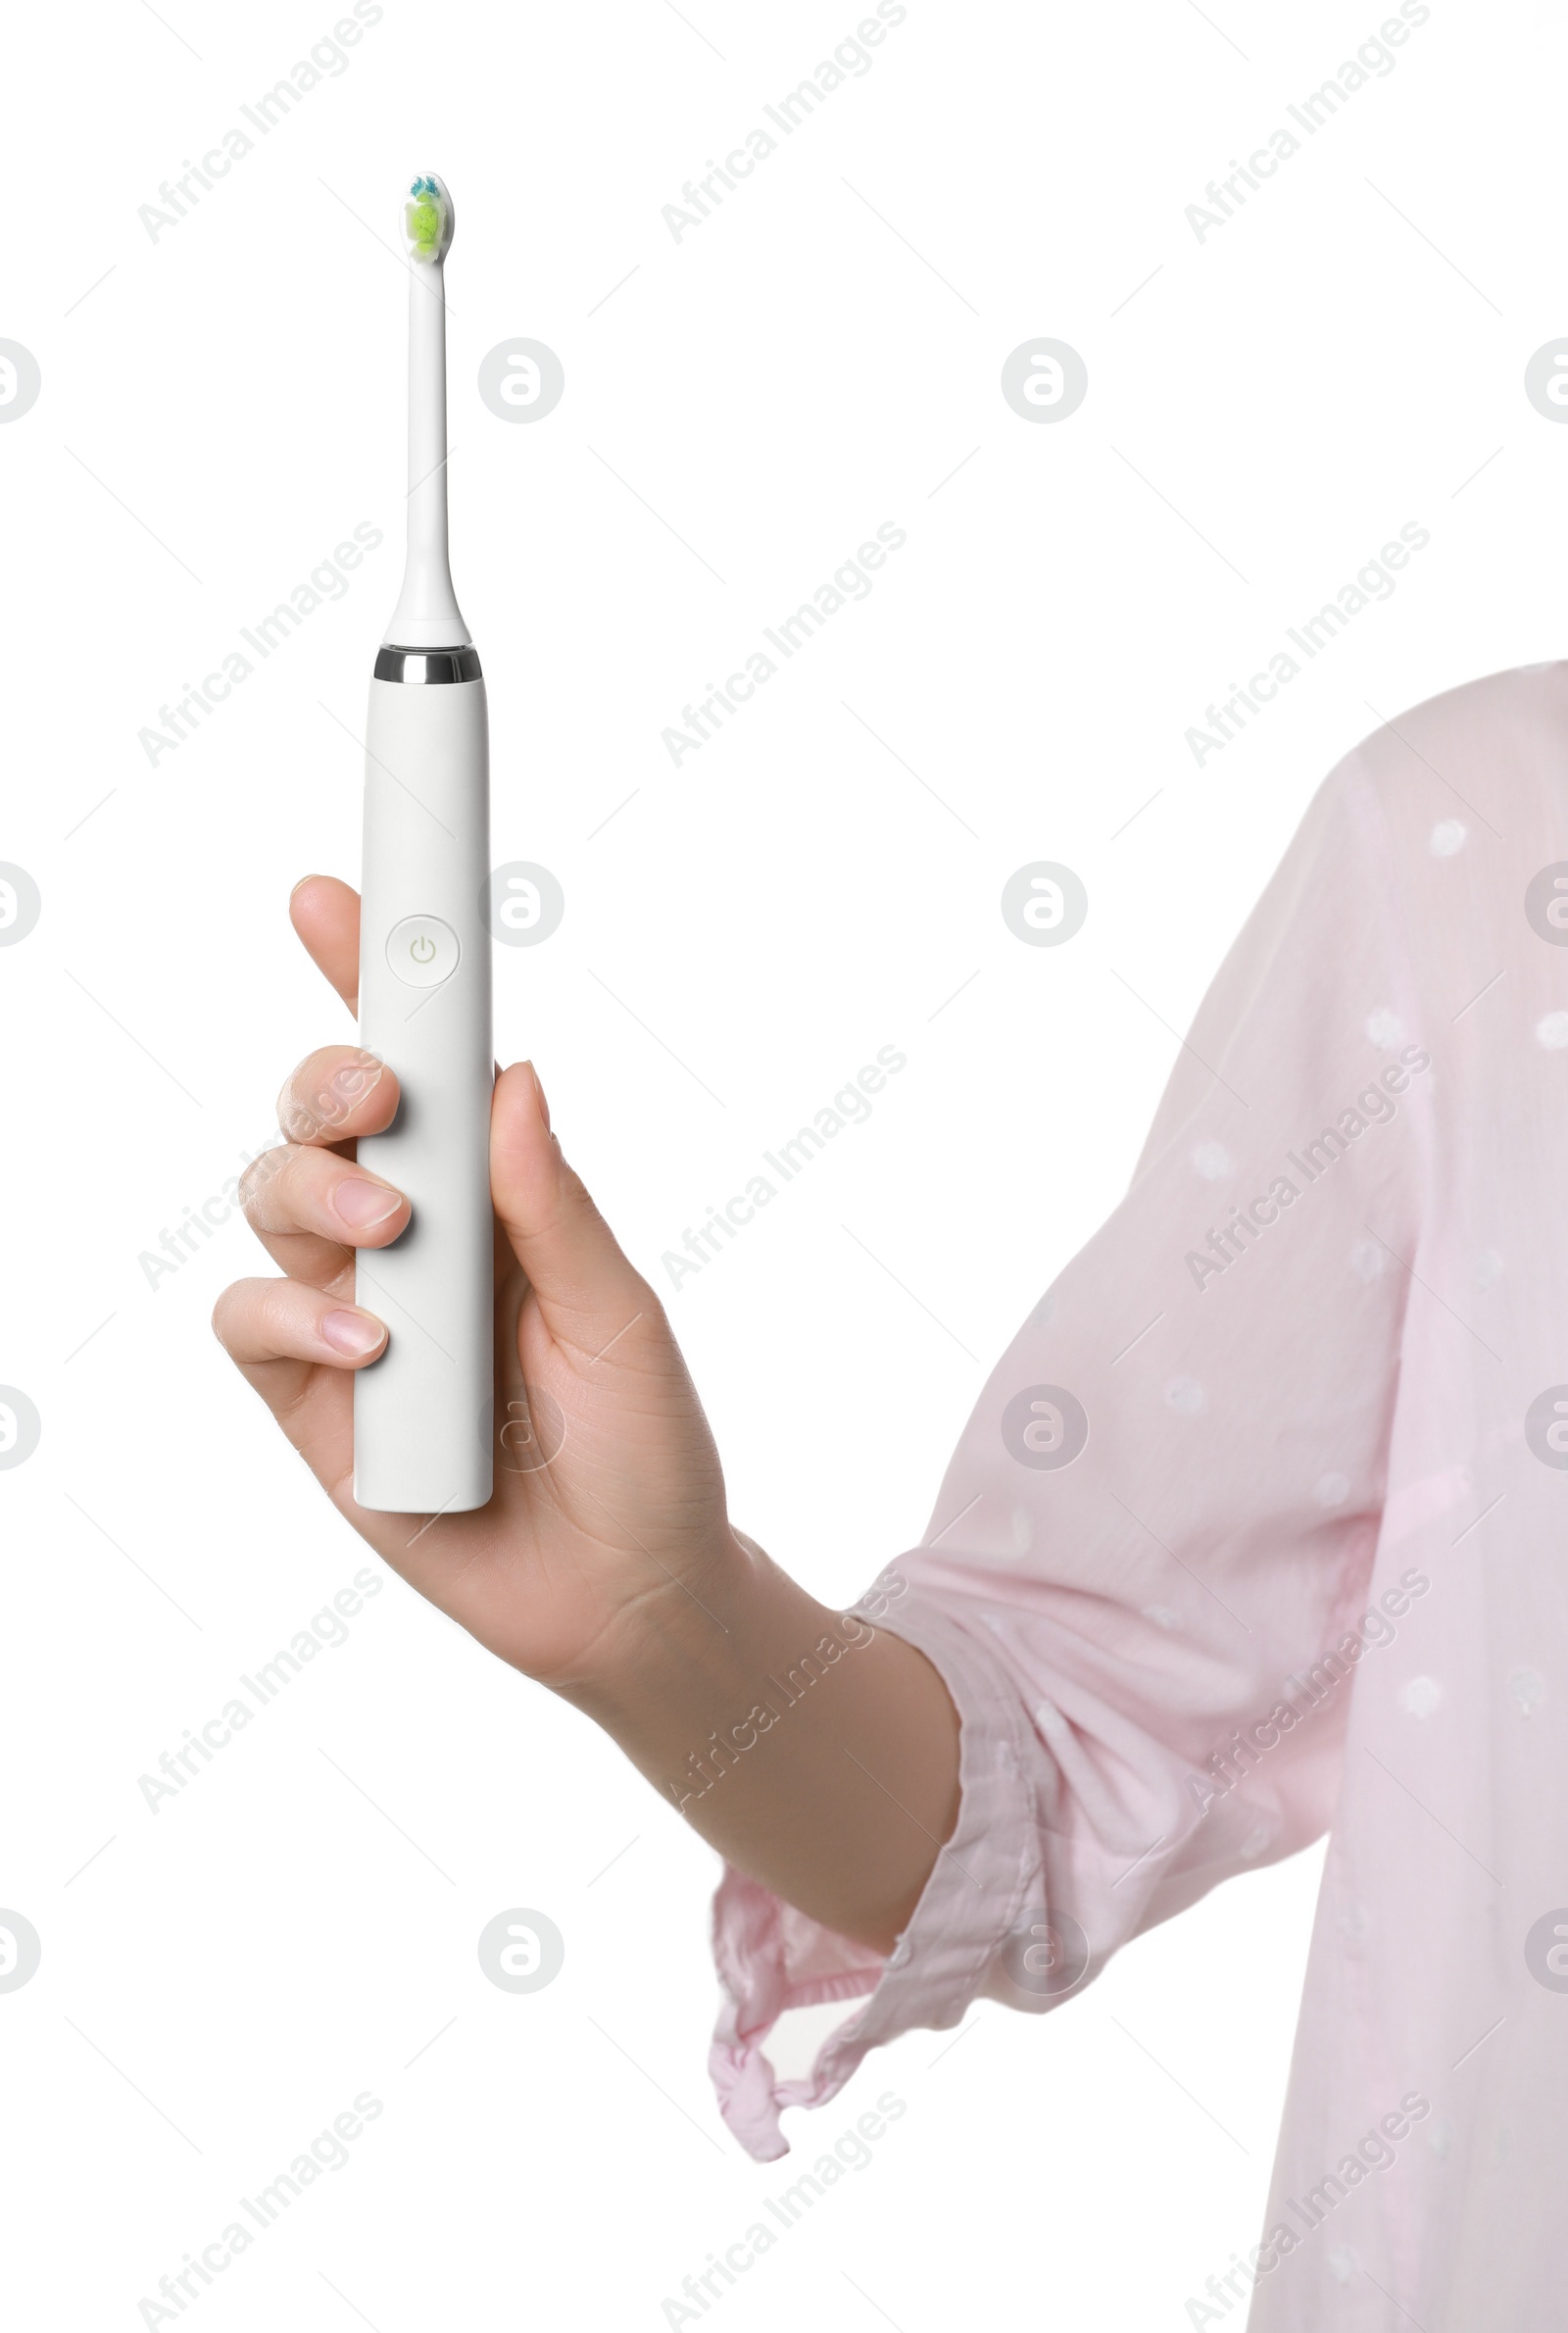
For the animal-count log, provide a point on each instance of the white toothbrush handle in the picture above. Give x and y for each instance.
(423, 1413)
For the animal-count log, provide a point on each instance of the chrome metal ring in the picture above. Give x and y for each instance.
(427, 665)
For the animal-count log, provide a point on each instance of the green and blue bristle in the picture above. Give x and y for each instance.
(427, 218)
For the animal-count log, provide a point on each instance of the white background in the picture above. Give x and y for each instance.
(1265, 409)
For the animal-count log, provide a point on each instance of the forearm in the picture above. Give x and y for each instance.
(818, 1754)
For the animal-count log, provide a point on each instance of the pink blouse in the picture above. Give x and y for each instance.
(1259, 1528)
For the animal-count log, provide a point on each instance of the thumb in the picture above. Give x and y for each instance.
(587, 1290)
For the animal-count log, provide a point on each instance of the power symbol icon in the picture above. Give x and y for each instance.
(421, 951)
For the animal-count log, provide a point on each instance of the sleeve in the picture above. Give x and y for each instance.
(1142, 1581)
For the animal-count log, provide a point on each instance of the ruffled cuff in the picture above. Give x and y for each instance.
(771, 1957)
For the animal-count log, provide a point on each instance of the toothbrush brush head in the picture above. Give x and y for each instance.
(428, 220)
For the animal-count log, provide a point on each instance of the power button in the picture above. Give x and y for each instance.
(423, 951)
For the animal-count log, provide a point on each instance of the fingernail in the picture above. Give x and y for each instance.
(544, 1106)
(364, 1205)
(352, 1334)
(300, 885)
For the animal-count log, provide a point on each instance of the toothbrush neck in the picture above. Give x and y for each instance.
(428, 614)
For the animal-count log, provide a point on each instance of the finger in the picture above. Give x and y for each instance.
(311, 1208)
(588, 1292)
(260, 1322)
(336, 1093)
(326, 916)
(296, 1189)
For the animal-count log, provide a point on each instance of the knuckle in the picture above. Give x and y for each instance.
(273, 1313)
(223, 1312)
(572, 1194)
(324, 1093)
(348, 1086)
(260, 1177)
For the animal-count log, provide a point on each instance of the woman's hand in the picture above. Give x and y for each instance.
(605, 1564)
(609, 1509)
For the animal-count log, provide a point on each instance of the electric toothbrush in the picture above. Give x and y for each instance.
(423, 1413)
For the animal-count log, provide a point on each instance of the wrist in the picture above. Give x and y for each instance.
(693, 1657)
